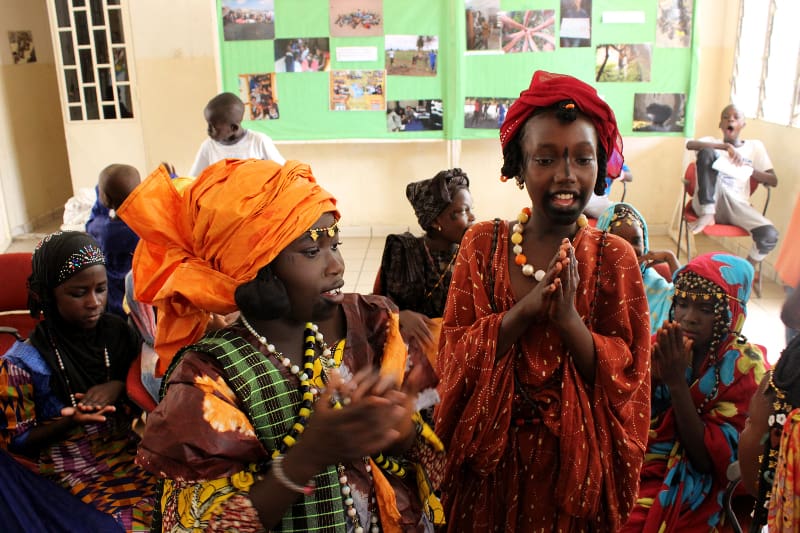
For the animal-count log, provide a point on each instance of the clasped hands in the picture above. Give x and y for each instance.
(554, 296)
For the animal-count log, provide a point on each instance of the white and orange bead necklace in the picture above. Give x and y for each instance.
(516, 238)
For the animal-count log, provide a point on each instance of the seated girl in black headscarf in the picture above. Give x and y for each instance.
(63, 391)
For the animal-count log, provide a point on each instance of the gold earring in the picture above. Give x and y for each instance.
(520, 183)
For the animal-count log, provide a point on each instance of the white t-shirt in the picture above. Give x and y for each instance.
(754, 155)
(253, 145)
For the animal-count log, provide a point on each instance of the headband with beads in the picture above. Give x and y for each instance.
(88, 255)
(330, 230)
(623, 213)
(718, 295)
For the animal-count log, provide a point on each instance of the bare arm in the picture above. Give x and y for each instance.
(767, 177)
(790, 312)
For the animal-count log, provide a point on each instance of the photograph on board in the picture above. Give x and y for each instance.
(674, 24)
(528, 31)
(302, 54)
(576, 24)
(356, 18)
(357, 90)
(411, 55)
(485, 113)
(248, 20)
(414, 115)
(623, 62)
(483, 30)
(259, 93)
(659, 112)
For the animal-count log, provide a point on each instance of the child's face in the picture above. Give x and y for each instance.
(631, 232)
(731, 123)
(221, 129)
(560, 165)
(696, 318)
(81, 300)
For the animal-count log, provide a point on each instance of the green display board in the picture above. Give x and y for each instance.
(448, 69)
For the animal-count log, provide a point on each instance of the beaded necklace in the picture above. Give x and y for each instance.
(66, 376)
(516, 238)
(314, 339)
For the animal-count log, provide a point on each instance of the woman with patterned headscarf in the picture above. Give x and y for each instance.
(63, 391)
(415, 271)
(704, 374)
(543, 363)
(625, 221)
(293, 418)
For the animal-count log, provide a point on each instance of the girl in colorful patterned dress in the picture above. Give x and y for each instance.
(704, 374)
(63, 391)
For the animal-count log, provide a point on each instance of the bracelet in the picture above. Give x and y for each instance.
(283, 479)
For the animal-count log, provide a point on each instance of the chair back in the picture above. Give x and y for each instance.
(690, 179)
(16, 268)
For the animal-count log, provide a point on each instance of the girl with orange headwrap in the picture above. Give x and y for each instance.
(262, 424)
(544, 361)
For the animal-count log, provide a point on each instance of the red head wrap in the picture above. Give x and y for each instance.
(547, 89)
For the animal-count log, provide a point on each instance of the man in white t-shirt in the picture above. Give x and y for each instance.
(724, 169)
(227, 137)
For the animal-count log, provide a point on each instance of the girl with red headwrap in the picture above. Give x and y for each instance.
(544, 359)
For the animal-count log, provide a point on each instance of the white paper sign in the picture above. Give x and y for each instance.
(356, 53)
(576, 28)
(623, 17)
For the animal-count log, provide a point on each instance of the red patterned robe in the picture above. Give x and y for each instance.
(573, 462)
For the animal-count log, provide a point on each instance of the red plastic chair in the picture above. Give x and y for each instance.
(16, 322)
(688, 216)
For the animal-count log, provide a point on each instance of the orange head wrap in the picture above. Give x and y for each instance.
(197, 248)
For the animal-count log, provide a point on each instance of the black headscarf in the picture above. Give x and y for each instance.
(430, 197)
(57, 258)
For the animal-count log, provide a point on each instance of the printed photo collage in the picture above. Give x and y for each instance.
(349, 90)
(489, 30)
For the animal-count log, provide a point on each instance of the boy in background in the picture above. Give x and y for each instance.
(115, 238)
(227, 137)
(725, 198)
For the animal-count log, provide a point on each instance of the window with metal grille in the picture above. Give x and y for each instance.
(94, 59)
(767, 64)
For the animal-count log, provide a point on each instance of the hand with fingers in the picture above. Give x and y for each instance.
(672, 352)
(417, 327)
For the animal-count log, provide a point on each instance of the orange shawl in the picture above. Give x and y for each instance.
(197, 248)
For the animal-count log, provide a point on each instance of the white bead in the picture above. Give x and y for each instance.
(375, 529)
(326, 353)
(359, 529)
(270, 347)
(368, 467)
(538, 275)
(314, 391)
(374, 518)
(527, 270)
(295, 369)
(314, 328)
(348, 501)
(517, 249)
(286, 362)
(351, 512)
(517, 228)
(343, 480)
(319, 337)
(303, 377)
(346, 491)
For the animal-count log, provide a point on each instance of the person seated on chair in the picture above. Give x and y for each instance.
(770, 441)
(624, 220)
(63, 390)
(704, 374)
(115, 238)
(599, 203)
(725, 199)
(415, 271)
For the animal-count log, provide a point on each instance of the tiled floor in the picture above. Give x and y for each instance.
(363, 255)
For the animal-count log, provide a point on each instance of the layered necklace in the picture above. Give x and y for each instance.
(516, 238)
(314, 340)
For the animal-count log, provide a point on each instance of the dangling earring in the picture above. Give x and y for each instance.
(520, 183)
